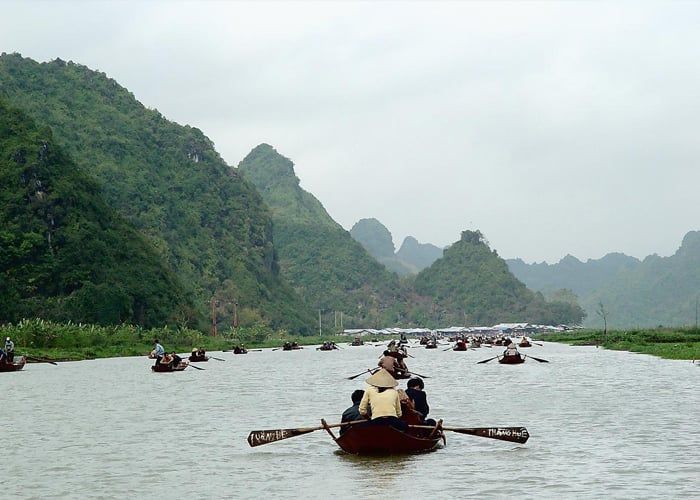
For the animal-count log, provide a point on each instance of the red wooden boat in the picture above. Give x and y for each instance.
(431, 345)
(15, 366)
(525, 343)
(511, 360)
(365, 439)
(167, 368)
(460, 346)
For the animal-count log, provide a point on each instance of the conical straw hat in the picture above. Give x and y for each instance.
(382, 379)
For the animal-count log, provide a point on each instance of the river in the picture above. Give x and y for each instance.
(603, 424)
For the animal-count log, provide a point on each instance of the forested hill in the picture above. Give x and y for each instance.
(168, 181)
(377, 240)
(659, 291)
(570, 273)
(324, 263)
(648, 293)
(473, 285)
(64, 253)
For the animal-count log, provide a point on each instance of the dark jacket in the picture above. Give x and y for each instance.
(349, 415)
(420, 401)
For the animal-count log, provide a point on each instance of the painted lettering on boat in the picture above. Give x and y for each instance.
(261, 437)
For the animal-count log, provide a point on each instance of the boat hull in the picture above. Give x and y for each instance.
(13, 367)
(167, 368)
(511, 360)
(365, 439)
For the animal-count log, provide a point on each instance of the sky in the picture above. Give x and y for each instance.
(554, 128)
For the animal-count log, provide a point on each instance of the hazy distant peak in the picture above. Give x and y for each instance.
(374, 236)
(569, 259)
(690, 244)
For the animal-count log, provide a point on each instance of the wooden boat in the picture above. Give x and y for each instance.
(160, 368)
(240, 350)
(431, 345)
(327, 347)
(524, 343)
(198, 359)
(460, 346)
(15, 366)
(357, 342)
(363, 439)
(511, 360)
(291, 347)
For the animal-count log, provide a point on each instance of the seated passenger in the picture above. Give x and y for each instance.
(382, 400)
(420, 400)
(352, 413)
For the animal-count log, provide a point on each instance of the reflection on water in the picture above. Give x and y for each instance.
(602, 424)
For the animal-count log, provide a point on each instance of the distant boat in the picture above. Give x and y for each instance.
(14, 366)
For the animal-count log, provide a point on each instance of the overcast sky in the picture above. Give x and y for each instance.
(554, 128)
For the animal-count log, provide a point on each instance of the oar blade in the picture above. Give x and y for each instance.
(486, 360)
(512, 434)
(258, 438)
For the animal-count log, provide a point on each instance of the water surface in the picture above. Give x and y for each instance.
(603, 424)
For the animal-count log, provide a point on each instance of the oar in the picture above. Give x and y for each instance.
(195, 367)
(417, 374)
(40, 360)
(512, 434)
(487, 360)
(536, 359)
(362, 373)
(257, 438)
(452, 347)
(541, 345)
(218, 359)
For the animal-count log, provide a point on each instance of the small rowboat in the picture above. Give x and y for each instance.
(13, 367)
(198, 359)
(240, 350)
(525, 343)
(167, 368)
(511, 360)
(365, 439)
(460, 346)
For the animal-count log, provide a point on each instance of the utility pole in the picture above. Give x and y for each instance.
(213, 317)
(319, 322)
(696, 313)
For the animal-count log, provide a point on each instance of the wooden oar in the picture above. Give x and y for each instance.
(362, 373)
(257, 438)
(487, 360)
(541, 345)
(452, 347)
(218, 359)
(40, 360)
(417, 374)
(195, 367)
(512, 434)
(536, 359)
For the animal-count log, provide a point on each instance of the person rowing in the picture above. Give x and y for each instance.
(9, 350)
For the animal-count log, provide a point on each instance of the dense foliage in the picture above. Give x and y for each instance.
(64, 253)
(329, 269)
(168, 181)
(472, 285)
(655, 291)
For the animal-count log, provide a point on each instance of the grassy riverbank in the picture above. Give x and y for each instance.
(668, 343)
(72, 342)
